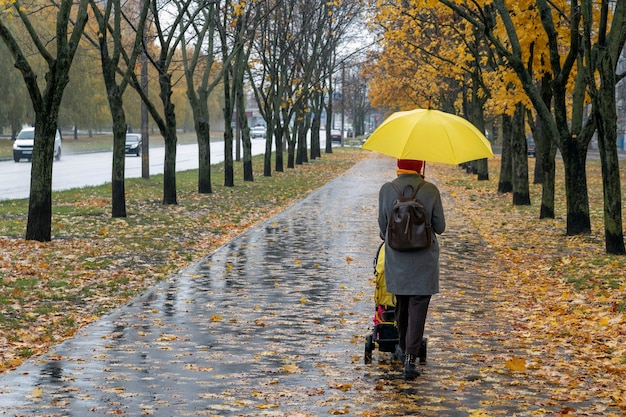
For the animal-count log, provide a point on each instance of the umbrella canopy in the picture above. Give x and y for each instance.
(429, 135)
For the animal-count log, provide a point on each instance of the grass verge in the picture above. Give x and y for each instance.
(563, 296)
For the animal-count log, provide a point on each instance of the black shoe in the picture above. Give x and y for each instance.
(410, 370)
(399, 354)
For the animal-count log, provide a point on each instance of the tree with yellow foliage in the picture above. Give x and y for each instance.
(558, 54)
(432, 58)
(582, 41)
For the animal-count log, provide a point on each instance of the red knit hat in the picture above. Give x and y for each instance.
(411, 165)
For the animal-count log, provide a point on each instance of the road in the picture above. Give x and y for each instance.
(80, 170)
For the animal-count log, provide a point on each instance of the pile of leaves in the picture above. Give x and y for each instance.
(563, 294)
(96, 263)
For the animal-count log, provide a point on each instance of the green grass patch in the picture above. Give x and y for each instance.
(45, 308)
(11, 321)
(25, 352)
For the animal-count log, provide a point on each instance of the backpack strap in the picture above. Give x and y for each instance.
(395, 187)
(415, 191)
(418, 188)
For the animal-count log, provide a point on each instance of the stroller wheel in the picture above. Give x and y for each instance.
(423, 350)
(369, 348)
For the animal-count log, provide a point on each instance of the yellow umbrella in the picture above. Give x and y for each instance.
(429, 135)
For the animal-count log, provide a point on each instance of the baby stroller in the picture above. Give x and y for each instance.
(385, 334)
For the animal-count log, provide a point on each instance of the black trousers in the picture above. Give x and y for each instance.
(411, 313)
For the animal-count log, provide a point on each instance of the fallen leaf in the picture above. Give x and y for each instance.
(517, 363)
(37, 392)
(291, 368)
(479, 413)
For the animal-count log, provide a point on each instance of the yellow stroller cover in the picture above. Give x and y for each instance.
(382, 298)
(385, 334)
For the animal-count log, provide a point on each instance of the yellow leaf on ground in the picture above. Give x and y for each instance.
(619, 400)
(516, 364)
(291, 368)
(37, 392)
(479, 413)
(342, 387)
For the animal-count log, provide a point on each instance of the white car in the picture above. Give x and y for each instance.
(23, 145)
(257, 132)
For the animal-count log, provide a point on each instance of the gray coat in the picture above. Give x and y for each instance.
(414, 272)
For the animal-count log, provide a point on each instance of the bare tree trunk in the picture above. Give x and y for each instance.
(546, 153)
(203, 134)
(477, 117)
(521, 191)
(505, 183)
(39, 224)
(248, 175)
(229, 175)
(574, 159)
(267, 157)
(118, 187)
(606, 125)
(280, 147)
(603, 48)
(170, 139)
(291, 147)
(301, 128)
(316, 124)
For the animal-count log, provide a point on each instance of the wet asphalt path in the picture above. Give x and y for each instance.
(274, 323)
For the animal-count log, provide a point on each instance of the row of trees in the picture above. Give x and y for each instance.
(549, 65)
(286, 51)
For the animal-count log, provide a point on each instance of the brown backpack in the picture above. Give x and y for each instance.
(408, 227)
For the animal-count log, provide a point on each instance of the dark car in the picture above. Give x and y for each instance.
(133, 144)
